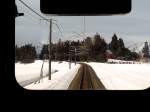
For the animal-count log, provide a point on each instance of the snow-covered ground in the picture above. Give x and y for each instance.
(113, 76)
(123, 76)
(28, 73)
(59, 81)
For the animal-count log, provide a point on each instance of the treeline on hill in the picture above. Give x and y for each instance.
(25, 54)
(89, 49)
(119, 51)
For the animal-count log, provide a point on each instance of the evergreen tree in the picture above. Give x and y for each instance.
(88, 46)
(60, 50)
(17, 55)
(120, 52)
(97, 44)
(88, 43)
(27, 53)
(146, 51)
(99, 48)
(54, 52)
(121, 43)
(114, 44)
(44, 52)
(66, 49)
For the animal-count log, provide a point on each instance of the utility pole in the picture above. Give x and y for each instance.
(50, 41)
(75, 54)
(84, 26)
(69, 61)
(56, 53)
(50, 37)
(43, 18)
(69, 58)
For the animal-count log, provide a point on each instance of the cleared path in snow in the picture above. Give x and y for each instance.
(86, 79)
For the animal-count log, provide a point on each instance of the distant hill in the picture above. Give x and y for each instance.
(138, 47)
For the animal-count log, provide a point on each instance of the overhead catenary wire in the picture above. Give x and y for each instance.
(42, 17)
(32, 10)
(50, 21)
(58, 29)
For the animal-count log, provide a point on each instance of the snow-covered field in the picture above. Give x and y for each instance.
(59, 81)
(113, 76)
(27, 73)
(123, 76)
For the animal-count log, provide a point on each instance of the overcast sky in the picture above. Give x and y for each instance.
(133, 27)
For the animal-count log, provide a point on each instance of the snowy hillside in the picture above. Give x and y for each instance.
(138, 47)
(123, 76)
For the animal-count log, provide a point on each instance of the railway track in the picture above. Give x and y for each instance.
(86, 79)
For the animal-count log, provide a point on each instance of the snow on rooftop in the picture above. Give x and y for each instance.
(122, 61)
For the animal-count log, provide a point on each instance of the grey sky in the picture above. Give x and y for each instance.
(133, 27)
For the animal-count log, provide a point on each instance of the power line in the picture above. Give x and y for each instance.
(33, 10)
(41, 16)
(50, 33)
(84, 25)
(58, 29)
